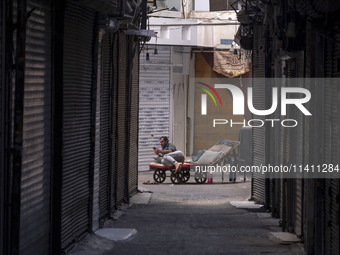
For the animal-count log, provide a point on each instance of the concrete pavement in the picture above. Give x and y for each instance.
(193, 219)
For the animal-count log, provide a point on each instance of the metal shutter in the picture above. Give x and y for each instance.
(331, 216)
(327, 203)
(134, 107)
(294, 155)
(105, 128)
(2, 129)
(122, 164)
(331, 149)
(114, 123)
(274, 143)
(299, 156)
(154, 108)
(2, 30)
(289, 188)
(297, 159)
(35, 177)
(97, 152)
(77, 72)
(298, 207)
(259, 89)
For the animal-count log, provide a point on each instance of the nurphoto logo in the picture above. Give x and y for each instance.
(238, 97)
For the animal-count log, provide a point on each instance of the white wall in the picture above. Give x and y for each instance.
(179, 88)
(199, 30)
(202, 5)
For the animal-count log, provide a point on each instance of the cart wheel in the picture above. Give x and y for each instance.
(176, 178)
(159, 176)
(201, 177)
(186, 175)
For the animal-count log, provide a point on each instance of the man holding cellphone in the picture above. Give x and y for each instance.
(168, 154)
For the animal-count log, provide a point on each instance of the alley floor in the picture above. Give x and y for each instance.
(192, 219)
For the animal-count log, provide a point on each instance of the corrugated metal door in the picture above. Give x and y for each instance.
(35, 178)
(97, 130)
(331, 216)
(2, 128)
(287, 202)
(78, 79)
(105, 128)
(122, 131)
(114, 121)
(2, 30)
(336, 144)
(331, 148)
(154, 98)
(259, 96)
(294, 154)
(297, 158)
(134, 107)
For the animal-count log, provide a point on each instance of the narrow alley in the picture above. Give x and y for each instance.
(193, 219)
(99, 98)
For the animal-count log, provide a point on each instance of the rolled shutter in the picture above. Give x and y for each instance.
(134, 107)
(105, 128)
(331, 148)
(298, 207)
(294, 155)
(77, 102)
(1, 78)
(2, 143)
(259, 89)
(154, 108)
(114, 122)
(97, 130)
(122, 164)
(35, 178)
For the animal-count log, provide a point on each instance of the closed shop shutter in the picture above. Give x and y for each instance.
(35, 177)
(336, 144)
(2, 130)
(297, 159)
(105, 128)
(294, 155)
(134, 107)
(114, 122)
(122, 164)
(154, 108)
(97, 152)
(259, 89)
(331, 216)
(274, 143)
(298, 207)
(77, 72)
(332, 151)
(1, 84)
(287, 188)
(327, 142)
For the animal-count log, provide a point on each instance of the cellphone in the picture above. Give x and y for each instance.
(154, 148)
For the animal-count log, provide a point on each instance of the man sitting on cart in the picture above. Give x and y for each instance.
(168, 155)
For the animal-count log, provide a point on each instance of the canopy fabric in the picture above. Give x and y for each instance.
(229, 64)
